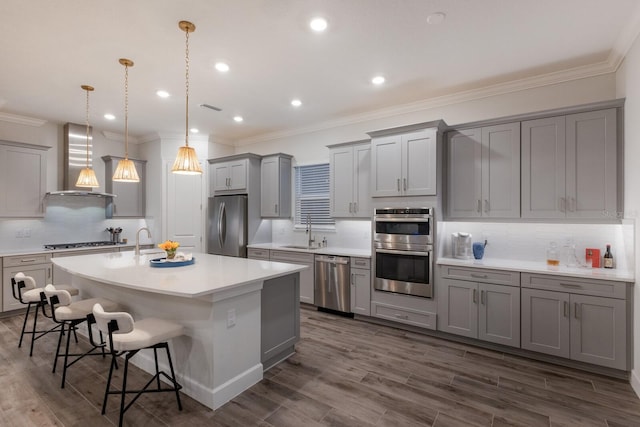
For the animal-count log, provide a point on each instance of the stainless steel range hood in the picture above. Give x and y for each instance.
(75, 158)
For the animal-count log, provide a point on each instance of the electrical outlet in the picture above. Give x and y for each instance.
(19, 233)
(27, 232)
(231, 317)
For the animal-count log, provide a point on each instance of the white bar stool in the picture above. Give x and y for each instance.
(25, 290)
(70, 314)
(127, 337)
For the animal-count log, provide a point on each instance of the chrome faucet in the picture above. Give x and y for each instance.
(137, 250)
(311, 239)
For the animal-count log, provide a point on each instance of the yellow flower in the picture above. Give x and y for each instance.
(169, 245)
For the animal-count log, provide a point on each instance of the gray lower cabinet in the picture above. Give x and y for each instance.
(474, 308)
(280, 319)
(37, 266)
(361, 286)
(569, 166)
(307, 277)
(569, 318)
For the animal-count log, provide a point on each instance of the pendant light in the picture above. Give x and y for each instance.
(126, 169)
(187, 161)
(87, 177)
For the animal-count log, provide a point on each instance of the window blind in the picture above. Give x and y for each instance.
(312, 194)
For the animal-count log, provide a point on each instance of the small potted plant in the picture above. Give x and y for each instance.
(170, 247)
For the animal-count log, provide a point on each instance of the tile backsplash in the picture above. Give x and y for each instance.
(67, 219)
(529, 241)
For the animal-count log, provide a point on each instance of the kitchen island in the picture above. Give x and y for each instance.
(241, 316)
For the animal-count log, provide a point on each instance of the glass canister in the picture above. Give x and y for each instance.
(553, 255)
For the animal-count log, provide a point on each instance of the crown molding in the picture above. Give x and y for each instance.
(21, 120)
(548, 79)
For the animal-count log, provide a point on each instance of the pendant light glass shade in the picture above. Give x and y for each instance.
(87, 177)
(126, 169)
(187, 161)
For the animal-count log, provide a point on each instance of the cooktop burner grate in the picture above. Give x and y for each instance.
(78, 245)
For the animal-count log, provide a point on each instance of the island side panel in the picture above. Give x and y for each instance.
(214, 362)
(280, 319)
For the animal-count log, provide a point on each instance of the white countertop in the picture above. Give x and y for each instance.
(366, 253)
(542, 267)
(41, 250)
(208, 275)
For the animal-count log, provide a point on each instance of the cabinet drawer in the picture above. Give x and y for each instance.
(17, 261)
(254, 253)
(286, 256)
(361, 263)
(421, 319)
(482, 275)
(574, 285)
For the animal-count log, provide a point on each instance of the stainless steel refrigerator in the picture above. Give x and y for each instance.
(227, 226)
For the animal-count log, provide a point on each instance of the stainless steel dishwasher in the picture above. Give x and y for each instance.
(332, 284)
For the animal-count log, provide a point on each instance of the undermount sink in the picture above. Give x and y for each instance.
(299, 247)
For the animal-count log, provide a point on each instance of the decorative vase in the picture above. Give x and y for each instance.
(171, 254)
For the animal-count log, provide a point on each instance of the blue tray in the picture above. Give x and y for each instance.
(163, 263)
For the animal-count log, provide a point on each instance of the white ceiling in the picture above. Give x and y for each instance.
(49, 48)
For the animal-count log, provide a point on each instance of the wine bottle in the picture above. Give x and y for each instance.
(608, 258)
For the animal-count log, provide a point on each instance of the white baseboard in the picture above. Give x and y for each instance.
(236, 385)
(635, 381)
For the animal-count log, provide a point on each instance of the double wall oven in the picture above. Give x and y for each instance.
(403, 245)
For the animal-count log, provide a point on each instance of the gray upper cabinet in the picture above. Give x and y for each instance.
(350, 178)
(130, 200)
(404, 164)
(569, 166)
(483, 172)
(23, 174)
(232, 174)
(275, 186)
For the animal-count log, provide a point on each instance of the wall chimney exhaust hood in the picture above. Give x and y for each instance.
(75, 146)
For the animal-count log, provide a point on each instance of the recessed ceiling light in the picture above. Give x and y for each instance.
(436, 18)
(318, 24)
(194, 130)
(296, 102)
(222, 67)
(162, 94)
(109, 116)
(378, 80)
(238, 119)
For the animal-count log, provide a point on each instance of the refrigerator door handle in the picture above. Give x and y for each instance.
(221, 229)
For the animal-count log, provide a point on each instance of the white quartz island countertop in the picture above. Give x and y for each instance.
(208, 275)
(541, 267)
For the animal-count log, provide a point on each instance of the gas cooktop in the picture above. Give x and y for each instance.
(78, 245)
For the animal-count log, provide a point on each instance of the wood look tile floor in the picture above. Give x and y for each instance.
(345, 373)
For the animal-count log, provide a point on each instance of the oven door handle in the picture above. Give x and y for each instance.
(394, 252)
(402, 219)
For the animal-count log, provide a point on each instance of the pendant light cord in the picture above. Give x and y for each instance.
(186, 137)
(126, 111)
(87, 123)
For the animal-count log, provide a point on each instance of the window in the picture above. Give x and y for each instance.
(312, 195)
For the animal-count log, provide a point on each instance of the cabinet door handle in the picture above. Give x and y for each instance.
(479, 276)
(576, 309)
(563, 205)
(353, 279)
(486, 206)
(404, 184)
(482, 297)
(398, 183)
(401, 316)
(475, 296)
(27, 260)
(479, 208)
(355, 207)
(360, 263)
(570, 285)
(572, 204)
(566, 309)
(350, 207)
(276, 207)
